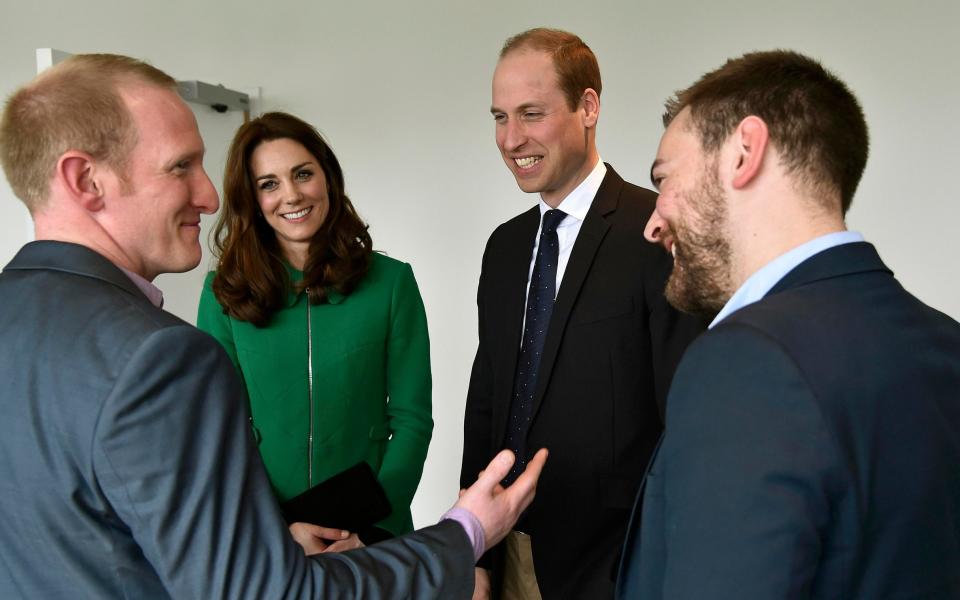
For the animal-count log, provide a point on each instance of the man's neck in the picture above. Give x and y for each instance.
(553, 200)
(90, 236)
(43, 232)
(760, 243)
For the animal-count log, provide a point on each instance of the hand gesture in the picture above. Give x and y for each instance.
(496, 507)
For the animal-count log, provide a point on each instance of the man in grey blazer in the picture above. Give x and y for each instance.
(812, 438)
(127, 465)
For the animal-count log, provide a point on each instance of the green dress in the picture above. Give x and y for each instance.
(366, 359)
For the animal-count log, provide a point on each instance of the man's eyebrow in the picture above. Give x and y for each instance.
(189, 155)
(494, 110)
(656, 163)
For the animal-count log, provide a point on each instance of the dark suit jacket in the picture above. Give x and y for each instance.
(127, 464)
(812, 448)
(609, 355)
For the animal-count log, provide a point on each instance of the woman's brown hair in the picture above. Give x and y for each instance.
(251, 281)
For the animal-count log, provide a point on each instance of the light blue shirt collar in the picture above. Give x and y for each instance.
(761, 282)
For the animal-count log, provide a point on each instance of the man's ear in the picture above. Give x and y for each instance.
(750, 139)
(81, 179)
(590, 103)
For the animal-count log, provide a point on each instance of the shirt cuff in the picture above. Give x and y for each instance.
(471, 524)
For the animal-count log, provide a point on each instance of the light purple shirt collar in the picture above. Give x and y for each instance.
(152, 292)
(761, 282)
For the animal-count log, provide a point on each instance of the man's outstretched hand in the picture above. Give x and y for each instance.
(496, 507)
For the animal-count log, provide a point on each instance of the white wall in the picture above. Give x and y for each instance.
(402, 91)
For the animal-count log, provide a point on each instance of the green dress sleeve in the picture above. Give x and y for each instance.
(409, 407)
(212, 320)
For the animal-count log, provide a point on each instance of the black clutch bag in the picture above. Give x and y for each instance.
(351, 500)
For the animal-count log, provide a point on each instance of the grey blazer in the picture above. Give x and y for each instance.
(127, 465)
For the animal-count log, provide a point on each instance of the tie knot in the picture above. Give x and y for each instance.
(551, 219)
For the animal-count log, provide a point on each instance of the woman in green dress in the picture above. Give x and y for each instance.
(329, 337)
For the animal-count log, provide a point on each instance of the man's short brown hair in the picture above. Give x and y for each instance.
(815, 121)
(574, 61)
(74, 105)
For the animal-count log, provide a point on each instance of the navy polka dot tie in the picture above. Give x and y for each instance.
(543, 288)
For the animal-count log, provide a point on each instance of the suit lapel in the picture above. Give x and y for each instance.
(592, 232)
(513, 270)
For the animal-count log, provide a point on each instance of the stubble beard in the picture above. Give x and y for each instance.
(701, 282)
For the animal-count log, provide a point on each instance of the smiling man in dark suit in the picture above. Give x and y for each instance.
(812, 443)
(577, 345)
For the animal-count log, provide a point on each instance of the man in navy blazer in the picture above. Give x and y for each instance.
(127, 465)
(812, 438)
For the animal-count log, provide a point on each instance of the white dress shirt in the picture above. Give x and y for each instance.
(576, 205)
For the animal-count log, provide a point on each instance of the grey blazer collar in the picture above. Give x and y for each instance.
(66, 257)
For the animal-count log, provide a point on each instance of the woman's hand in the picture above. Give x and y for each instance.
(349, 543)
(315, 539)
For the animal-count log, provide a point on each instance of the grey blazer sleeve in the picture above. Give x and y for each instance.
(743, 475)
(174, 455)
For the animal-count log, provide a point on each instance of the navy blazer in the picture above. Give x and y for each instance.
(812, 448)
(127, 464)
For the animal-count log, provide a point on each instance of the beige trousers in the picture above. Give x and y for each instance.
(519, 578)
